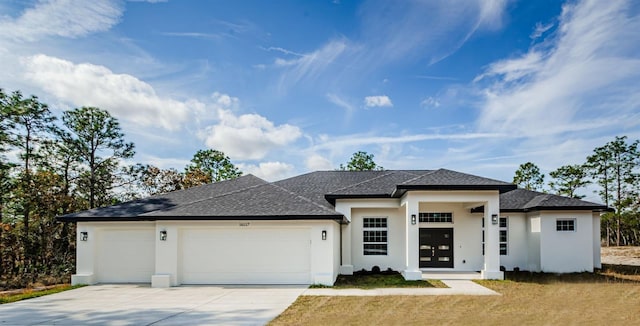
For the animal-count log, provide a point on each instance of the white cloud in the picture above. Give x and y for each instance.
(248, 136)
(317, 162)
(571, 82)
(65, 18)
(123, 95)
(270, 171)
(375, 101)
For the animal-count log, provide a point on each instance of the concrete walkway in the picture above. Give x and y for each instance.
(455, 287)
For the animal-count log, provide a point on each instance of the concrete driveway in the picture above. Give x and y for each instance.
(141, 305)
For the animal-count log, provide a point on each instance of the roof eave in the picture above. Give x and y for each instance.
(500, 188)
(331, 198)
(336, 217)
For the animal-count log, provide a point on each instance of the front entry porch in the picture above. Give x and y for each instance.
(450, 275)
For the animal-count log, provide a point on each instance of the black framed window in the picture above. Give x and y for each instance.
(566, 224)
(374, 236)
(436, 217)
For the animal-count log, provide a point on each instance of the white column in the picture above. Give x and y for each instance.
(166, 273)
(491, 268)
(412, 249)
(346, 267)
(85, 253)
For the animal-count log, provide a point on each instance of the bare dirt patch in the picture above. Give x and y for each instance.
(621, 256)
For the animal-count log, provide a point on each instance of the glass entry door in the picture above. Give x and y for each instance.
(436, 248)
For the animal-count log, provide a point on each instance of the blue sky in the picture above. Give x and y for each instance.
(286, 87)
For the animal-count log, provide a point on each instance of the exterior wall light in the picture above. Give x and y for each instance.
(84, 236)
(413, 219)
(324, 234)
(163, 235)
(494, 218)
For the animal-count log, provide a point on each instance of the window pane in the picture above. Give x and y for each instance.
(375, 249)
(503, 222)
(503, 236)
(503, 249)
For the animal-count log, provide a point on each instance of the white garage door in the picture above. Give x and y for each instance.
(126, 256)
(246, 256)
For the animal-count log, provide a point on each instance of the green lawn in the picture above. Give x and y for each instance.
(28, 294)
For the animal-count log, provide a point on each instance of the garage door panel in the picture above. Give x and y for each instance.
(126, 256)
(246, 256)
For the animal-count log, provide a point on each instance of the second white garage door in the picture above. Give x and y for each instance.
(246, 256)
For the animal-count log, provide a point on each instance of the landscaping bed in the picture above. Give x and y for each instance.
(383, 279)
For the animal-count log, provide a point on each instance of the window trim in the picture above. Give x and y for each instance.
(375, 228)
(571, 227)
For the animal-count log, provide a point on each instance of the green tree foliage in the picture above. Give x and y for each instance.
(528, 176)
(31, 121)
(361, 161)
(96, 139)
(614, 167)
(155, 181)
(567, 179)
(209, 166)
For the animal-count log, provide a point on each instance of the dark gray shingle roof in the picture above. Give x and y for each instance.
(527, 200)
(316, 185)
(312, 195)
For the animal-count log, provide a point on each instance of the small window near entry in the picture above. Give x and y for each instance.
(504, 236)
(436, 217)
(374, 236)
(565, 224)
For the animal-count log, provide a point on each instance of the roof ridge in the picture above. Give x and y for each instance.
(208, 198)
(421, 175)
(302, 197)
(387, 172)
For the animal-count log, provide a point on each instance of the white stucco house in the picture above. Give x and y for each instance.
(311, 228)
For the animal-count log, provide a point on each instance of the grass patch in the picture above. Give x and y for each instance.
(367, 280)
(29, 293)
(527, 298)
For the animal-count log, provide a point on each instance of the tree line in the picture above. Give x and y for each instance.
(51, 166)
(614, 170)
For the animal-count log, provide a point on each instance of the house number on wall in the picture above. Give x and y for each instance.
(245, 224)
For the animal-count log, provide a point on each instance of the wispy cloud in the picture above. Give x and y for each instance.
(540, 29)
(193, 35)
(337, 100)
(310, 65)
(377, 101)
(424, 29)
(62, 18)
(590, 61)
(436, 77)
(355, 141)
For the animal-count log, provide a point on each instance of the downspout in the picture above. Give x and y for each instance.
(340, 243)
